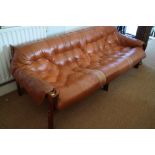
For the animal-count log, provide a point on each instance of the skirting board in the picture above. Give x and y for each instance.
(7, 88)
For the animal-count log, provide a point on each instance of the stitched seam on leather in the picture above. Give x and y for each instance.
(99, 74)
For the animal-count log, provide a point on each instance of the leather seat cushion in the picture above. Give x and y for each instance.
(80, 85)
(76, 84)
(117, 62)
(72, 81)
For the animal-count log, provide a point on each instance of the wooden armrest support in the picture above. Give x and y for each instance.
(53, 93)
(53, 97)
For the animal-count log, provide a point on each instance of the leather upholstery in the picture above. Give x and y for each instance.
(75, 64)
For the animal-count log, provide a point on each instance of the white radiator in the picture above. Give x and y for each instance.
(15, 36)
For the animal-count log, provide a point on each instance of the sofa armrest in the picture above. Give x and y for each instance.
(37, 88)
(132, 42)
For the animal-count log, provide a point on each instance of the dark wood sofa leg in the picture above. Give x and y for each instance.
(50, 115)
(105, 87)
(53, 97)
(19, 89)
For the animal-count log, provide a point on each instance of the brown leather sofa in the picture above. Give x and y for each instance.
(67, 68)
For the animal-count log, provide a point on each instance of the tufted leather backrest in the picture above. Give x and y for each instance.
(57, 51)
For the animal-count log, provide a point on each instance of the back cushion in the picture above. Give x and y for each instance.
(72, 47)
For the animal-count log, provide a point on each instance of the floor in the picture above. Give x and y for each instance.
(129, 103)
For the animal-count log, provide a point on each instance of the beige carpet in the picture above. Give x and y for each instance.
(129, 103)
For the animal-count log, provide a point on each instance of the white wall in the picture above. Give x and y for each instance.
(131, 30)
(57, 30)
(5, 89)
